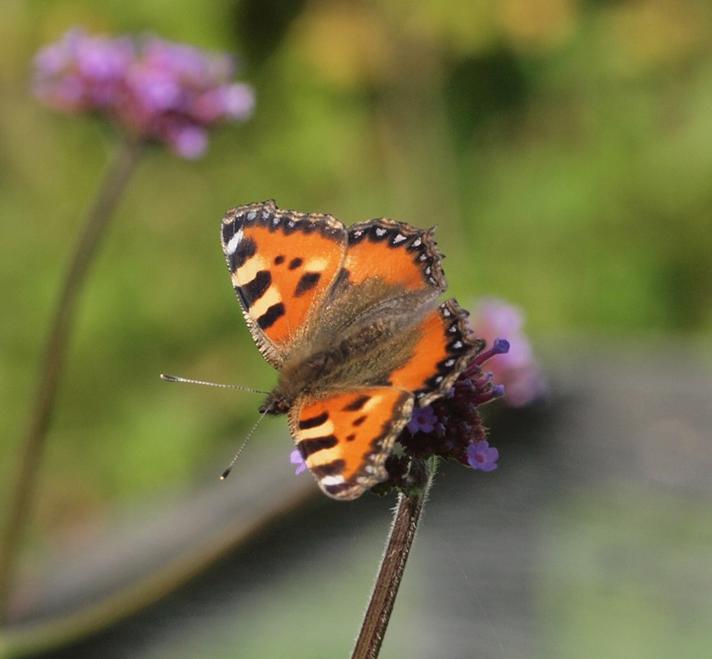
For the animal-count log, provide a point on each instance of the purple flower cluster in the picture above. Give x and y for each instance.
(517, 370)
(152, 88)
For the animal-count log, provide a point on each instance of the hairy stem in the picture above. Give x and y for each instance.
(34, 441)
(405, 524)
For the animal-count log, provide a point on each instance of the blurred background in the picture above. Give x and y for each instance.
(563, 148)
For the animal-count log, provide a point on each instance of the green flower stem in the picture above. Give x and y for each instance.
(407, 515)
(35, 439)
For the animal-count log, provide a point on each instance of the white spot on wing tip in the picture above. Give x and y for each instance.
(234, 242)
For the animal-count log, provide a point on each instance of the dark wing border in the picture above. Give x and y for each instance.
(462, 347)
(420, 242)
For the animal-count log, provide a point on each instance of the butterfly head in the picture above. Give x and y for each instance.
(275, 403)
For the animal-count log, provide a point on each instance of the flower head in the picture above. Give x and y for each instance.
(152, 88)
(517, 370)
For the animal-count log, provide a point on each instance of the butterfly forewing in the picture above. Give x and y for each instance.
(346, 437)
(281, 264)
(400, 254)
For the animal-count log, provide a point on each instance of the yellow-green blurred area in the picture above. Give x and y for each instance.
(563, 149)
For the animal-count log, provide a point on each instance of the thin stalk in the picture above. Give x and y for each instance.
(35, 439)
(407, 515)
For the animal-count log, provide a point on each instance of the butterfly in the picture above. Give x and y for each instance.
(351, 319)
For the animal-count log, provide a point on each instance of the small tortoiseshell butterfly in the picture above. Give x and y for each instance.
(350, 317)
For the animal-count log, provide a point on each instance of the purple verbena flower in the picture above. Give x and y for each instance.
(517, 370)
(423, 420)
(152, 88)
(482, 456)
(295, 457)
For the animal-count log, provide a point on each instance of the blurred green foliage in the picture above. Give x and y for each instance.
(560, 146)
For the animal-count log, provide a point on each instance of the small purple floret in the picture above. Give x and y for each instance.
(500, 347)
(188, 141)
(295, 457)
(482, 456)
(424, 420)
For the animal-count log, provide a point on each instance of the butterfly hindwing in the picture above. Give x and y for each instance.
(443, 348)
(281, 264)
(345, 437)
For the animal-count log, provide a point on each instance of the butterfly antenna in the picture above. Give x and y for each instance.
(177, 378)
(227, 471)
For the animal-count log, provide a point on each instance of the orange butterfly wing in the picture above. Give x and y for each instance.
(444, 347)
(345, 437)
(281, 265)
(397, 252)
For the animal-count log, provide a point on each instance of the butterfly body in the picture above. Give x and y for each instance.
(360, 353)
(351, 320)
